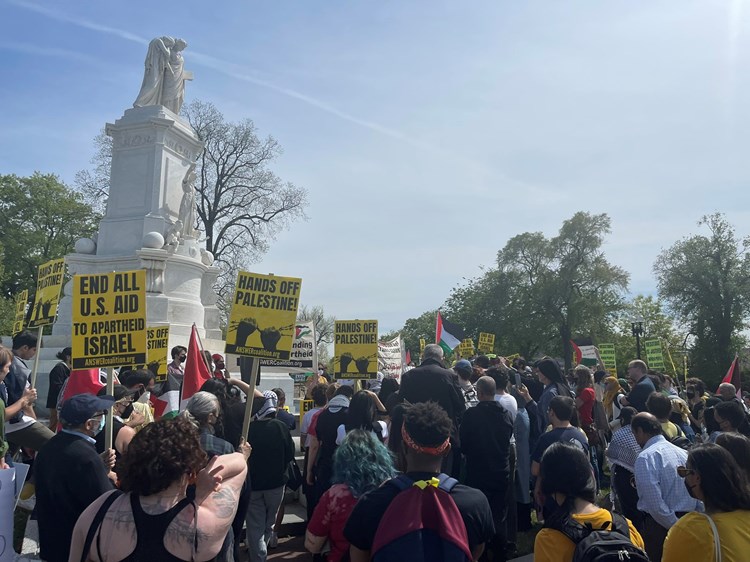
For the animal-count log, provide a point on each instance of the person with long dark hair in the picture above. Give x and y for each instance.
(712, 476)
(551, 376)
(567, 478)
(360, 464)
(363, 410)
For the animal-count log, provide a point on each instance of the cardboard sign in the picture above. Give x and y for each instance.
(466, 348)
(49, 281)
(654, 356)
(607, 355)
(422, 345)
(109, 319)
(304, 356)
(390, 361)
(486, 342)
(264, 316)
(355, 349)
(157, 352)
(21, 302)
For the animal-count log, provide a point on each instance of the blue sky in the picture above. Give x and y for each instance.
(427, 133)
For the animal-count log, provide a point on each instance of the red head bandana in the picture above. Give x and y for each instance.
(432, 451)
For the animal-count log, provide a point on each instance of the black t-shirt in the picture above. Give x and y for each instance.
(566, 434)
(57, 377)
(364, 520)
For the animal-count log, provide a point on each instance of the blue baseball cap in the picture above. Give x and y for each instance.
(463, 367)
(77, 409)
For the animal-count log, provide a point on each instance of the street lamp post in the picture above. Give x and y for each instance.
(637, 326)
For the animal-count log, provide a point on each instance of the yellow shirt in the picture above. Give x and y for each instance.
(691, 538)
(670, 430)
(553, 546)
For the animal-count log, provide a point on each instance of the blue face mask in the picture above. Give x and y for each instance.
(101, 426)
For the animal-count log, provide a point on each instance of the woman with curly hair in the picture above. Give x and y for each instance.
(361, 463)
(155, 519)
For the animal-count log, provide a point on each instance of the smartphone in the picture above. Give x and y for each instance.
(517, 375)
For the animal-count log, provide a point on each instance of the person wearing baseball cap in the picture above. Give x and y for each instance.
(70, 474)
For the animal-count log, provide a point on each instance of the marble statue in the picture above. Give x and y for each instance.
(187, 205)
(174, 235)
(164, 76)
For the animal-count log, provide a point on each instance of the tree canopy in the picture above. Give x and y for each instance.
(705, 280)
(545, 291)
(40, 219)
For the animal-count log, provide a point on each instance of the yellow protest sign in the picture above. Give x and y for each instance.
(49, 281)
(264, 316)
(608, 356)
(109, 319)
(654, 356)
(157, 347)
(466, 348)
(304, 407)
(355, 349)
(422, 345)
(21, 301)
(486, 342)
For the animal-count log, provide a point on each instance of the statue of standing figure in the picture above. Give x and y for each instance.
(165, 75)
(187, 205)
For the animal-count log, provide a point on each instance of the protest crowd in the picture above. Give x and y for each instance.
(447, 463)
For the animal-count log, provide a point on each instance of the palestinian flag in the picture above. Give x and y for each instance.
(585, 352)
(167, 404)
(733, 377)
(196, 370)
(447, 335)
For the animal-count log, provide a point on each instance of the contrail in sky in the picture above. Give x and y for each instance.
(227, 68)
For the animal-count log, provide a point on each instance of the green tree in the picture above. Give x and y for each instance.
(421, 327)
(40, 219)
(658, 323)
(705, 279)
(566, 281)
(495, 303)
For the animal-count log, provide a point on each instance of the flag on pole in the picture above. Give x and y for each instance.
(585, 352)
(447, 335)
(196, 370)
(167, 404)
(408, 357)
(733, 377)
(83, 381)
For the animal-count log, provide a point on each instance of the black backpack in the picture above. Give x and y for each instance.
(610, 543)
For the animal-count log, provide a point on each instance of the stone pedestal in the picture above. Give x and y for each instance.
(152, 151)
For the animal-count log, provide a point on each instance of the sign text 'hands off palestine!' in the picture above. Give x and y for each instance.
(109, 319)
(264, 316)
(49, 281)
(355, 349)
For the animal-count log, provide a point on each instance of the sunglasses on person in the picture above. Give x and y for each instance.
(683, 471)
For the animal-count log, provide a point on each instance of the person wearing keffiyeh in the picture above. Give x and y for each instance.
(273, 450)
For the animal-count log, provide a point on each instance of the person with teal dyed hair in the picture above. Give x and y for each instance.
(361, 464)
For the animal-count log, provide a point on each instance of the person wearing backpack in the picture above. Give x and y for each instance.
(423, 514)
(579, 530)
